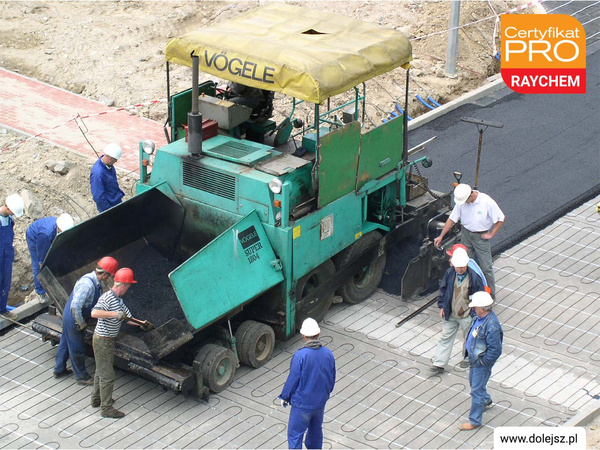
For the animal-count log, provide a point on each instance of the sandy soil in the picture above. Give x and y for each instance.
(593, 433)
(113, 52)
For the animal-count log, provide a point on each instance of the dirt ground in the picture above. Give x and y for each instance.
(593, 433)
(113, 52)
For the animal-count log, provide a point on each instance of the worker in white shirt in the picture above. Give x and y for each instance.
(481, 218)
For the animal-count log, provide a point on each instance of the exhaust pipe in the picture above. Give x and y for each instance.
(194, 117)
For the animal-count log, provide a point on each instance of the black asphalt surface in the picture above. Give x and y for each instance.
(544, 161)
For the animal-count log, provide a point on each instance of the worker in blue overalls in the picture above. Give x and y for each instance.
(103, 179)
(78, 309)
(308, 387)
(40, 235)
(14, 206)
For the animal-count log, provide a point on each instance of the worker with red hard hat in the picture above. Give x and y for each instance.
(110, 312)
(103, 179)
(86, 293)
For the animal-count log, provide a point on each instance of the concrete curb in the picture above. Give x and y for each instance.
(584, 417)
(24, 311)
(495, 84)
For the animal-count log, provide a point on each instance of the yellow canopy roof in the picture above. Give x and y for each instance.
(304, 53)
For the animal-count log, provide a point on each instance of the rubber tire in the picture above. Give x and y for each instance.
(213, 359)
(255, 343)
(307, 284)
(360, 287)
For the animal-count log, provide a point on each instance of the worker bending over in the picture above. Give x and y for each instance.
(78, 309)
(39, 236)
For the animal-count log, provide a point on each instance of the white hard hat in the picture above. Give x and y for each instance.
(65, 222)
(310, 327)
(16, 204)
(481, 299)
(113, 150)
(460, 258)
(461, 193)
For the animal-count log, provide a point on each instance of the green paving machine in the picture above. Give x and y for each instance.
(243, 226)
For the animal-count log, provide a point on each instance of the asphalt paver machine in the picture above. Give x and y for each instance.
(242, 226)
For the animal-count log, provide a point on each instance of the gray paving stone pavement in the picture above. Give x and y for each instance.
(385, 397)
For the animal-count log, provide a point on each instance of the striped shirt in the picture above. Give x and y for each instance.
(110, 302)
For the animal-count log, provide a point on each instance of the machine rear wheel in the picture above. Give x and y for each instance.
(218, 366)
(255, 343)
(307, 284)
(362, 285)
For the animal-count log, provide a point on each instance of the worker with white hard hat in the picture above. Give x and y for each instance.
(103, 179)
(308, 387)
(481, 218)
(14, 206)
(483, 348)
(40, 235)
(458, 284)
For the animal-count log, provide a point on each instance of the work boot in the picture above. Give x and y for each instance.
(62, 373)
(10, 315)
(112, 413)
(436, 369)
(43, 298)
(87, 381)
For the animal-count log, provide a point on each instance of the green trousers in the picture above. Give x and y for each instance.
(104, 379)
(480, 250)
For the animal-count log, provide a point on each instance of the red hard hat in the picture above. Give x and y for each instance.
(124, 275)
(109, 264)
(454, 247)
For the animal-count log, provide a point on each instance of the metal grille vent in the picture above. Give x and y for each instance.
(208, 180)
(235, 150)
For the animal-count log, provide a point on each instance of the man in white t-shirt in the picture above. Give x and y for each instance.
(481, 218)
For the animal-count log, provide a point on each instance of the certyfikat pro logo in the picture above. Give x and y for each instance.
(543, 54)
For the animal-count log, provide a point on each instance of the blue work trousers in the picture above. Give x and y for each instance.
(478, 379)
(72, 345)
(35, 265)
(7, 256)
(309, 421)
